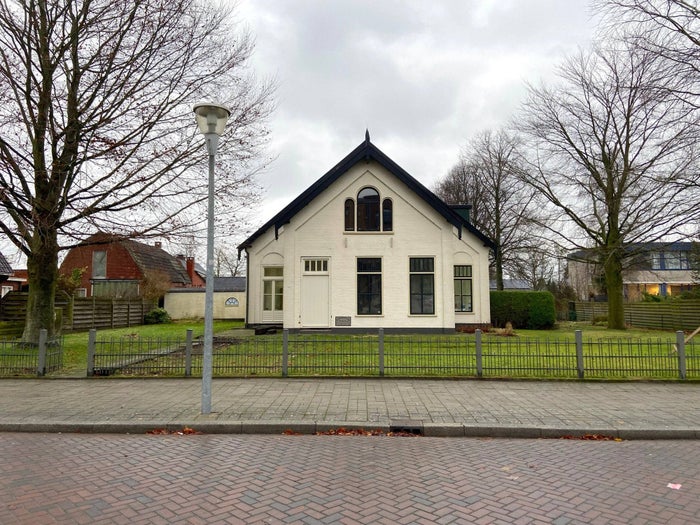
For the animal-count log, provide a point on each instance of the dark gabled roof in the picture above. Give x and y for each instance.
(153, 258)
(146, 257)
(365, 151)
(5, 268)
(229, 284)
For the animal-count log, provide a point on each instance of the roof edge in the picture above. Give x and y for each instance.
(365, 151)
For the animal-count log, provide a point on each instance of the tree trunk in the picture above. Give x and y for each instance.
(498, 263)
(42, 272)
(613, 282)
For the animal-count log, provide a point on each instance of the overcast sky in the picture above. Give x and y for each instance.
(423, 77)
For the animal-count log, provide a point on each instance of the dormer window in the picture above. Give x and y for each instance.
(372, 214)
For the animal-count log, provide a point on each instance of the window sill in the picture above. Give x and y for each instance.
(369, 233)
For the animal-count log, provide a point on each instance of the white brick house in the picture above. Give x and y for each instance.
(365, 247)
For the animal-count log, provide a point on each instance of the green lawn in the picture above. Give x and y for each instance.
(75, 344)
(355, 355)
(527, 353)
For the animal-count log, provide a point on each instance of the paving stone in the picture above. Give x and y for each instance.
(441, 408)
(351, 479)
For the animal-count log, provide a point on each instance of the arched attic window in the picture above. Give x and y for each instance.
(368, 218)
(349, 215)
(387, 215)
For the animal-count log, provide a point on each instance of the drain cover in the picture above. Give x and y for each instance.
(410, 426)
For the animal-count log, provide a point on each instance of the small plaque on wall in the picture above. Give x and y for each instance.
(342, 320)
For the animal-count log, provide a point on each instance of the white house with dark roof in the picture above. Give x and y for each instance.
(365, 247)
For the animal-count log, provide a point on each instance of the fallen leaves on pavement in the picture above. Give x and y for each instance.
(162, 432)
(342, 431)
(593, 437)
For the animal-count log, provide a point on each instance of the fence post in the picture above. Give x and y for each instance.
(92, 336)
(579, 353)
(680, 345)
(188, 353)
(285, 352)
(381, 352)
(41, 364)
(93, 311)
(479, 362)
(70, 309)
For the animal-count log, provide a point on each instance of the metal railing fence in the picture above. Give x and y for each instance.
(459, 355)
(20, 358)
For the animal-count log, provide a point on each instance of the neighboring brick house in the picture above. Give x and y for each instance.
(17, 282)
(5, 274)
(118, 267)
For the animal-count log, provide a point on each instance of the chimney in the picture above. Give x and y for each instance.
(190, 268)
(462, 210)
(159, 244)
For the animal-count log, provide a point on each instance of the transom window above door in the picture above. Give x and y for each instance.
(368, 212)
(315, 265)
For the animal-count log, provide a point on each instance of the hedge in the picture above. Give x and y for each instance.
(533, 310)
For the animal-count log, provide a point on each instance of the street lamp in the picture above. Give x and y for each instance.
(211, 119)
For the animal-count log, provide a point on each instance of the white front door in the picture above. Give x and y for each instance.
(315, 293)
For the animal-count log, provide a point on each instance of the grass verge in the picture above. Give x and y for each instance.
(75, 344)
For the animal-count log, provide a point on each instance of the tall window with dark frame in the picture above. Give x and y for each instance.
(422, 284)
(387, 211)
(463, 288)
(349, 215)
(368, 210)
(369, 286)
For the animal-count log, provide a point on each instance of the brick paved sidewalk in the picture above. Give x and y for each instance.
(434, 407)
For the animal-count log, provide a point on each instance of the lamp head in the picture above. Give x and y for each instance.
(211, 118)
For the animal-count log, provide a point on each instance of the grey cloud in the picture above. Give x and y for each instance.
(423, 76)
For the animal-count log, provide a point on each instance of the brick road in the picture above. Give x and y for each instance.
(197, 479)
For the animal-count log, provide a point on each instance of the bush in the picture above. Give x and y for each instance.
(157, 316)
(533, 310)
(651, 298)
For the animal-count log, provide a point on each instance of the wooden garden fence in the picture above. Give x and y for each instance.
(669, 315)
(82, 313)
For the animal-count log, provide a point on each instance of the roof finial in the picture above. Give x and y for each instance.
(367, 135)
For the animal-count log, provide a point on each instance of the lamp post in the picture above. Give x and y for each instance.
(211, 119)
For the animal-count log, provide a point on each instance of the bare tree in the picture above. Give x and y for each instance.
(695, 263)
(154, 285)
(486, 177)
(98, 134)
(229, 264)
(609, 151)
(667, 28)
(536, 266)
